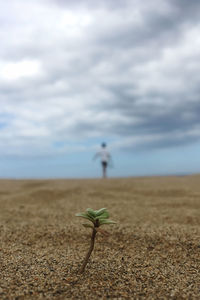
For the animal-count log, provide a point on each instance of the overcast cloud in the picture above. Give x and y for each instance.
(74, 71)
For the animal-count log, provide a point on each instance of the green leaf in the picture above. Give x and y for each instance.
(104, 215)
(101, 215)
(100, 211)
(86, 216)
(91, 212)
(104, 221)
(87, 225)
(81, 215)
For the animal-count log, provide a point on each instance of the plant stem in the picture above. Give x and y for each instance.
(89, 251)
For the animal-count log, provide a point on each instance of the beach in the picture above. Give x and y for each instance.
(152, 252)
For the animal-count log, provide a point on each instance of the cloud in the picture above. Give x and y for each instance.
(21, 69)
(127, 70)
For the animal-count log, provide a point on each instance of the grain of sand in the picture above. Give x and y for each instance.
(153, 252)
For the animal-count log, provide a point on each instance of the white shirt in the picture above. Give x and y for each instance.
(104, 155)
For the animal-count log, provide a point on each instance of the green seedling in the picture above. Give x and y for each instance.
(97, 218)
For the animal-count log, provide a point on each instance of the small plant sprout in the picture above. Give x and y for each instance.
(97, 218)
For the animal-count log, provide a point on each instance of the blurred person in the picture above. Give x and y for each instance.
(105, 157)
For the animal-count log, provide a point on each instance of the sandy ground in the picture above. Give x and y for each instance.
(153, 252)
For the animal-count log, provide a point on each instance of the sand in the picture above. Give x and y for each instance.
(153, 252)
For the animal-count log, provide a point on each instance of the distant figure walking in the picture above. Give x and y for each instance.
(105, 158)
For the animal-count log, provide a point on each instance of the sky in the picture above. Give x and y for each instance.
(76, 73)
